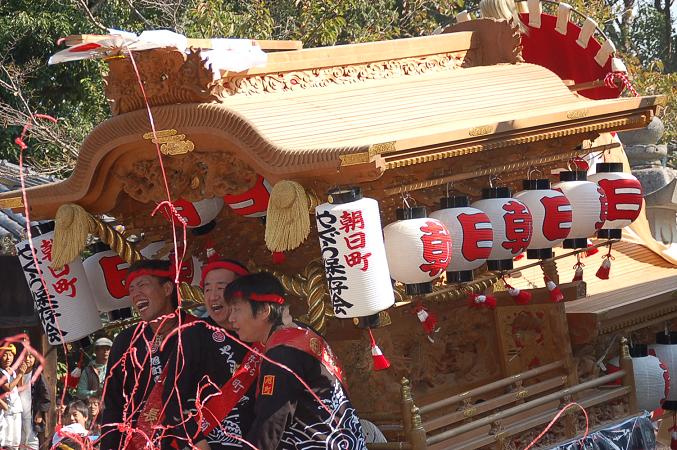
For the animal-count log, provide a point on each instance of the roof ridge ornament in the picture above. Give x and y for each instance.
(171, 143)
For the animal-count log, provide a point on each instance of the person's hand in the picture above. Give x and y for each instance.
(22, 368)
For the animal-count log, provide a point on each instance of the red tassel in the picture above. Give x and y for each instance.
(428, 320)
(605, 268)
(591, 250)
(518, 257)
(380, 361)
(521, 297)
(553, 290)
(279, 257)
(578, 269)
(481, 301)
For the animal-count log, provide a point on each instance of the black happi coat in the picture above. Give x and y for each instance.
(217, 357)
(288, 417)
(134, 366)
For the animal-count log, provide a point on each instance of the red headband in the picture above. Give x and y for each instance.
(272, 298)
(154, 272)
(228, 265)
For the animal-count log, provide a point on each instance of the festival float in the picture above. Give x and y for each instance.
(424, 200)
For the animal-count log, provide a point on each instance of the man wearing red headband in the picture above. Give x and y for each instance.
(218, 402)
(137, 384)
(303, 404)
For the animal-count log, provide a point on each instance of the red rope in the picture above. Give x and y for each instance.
(556, 418)
(611, 78)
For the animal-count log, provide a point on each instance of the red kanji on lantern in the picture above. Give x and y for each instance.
(356, 258)
(604, 210)
(355, 241)
(114, 275)
(436, 247)
(624, 198)
(63, 285)
(46, 248)
(65, 270)
(351, 220)
(517, 227)
(477, 236)
(557, 213)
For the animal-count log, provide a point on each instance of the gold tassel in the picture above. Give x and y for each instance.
(287, 218)
(70, 234)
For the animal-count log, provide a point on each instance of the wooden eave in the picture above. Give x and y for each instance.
(351, 132)
(641, 291)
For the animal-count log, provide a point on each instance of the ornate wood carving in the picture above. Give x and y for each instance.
(346, 74)
(217, 174)
(168, 77)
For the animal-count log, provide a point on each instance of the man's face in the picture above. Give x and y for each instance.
(215, 283)
(249, 328)
(75, 416)
(93, 406)
(151, 298)
(101, 354)
(6, 359)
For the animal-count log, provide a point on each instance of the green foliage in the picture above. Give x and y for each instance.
(647, 34)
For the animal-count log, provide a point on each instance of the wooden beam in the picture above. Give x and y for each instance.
(265, 44)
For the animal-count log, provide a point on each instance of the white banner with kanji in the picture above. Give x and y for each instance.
(66, 309)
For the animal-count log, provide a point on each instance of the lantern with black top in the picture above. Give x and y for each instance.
(511, 223)
(471, 236)
(551, 217)
(353, 254)
(624, 196)
(588, 206)
(418, 249)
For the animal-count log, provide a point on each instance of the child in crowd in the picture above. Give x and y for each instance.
(75, 422)
(10, 418)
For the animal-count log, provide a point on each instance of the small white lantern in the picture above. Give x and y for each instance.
(624, 196)
(511, 222)
(199, 216)
(588, 204)
(665, 349)
(66, 308)
(652, 377)
(418, 249)
(551, 217)
(253, 202)
(471, 236)
(107, 273)
(353, 253)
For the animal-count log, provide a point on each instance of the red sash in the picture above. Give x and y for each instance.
(308, 342)
(218, 407)
(152, 413)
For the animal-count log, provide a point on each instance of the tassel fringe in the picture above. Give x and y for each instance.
(71, 229)
(287, 218)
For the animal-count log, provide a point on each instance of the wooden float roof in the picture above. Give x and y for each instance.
(377, 106)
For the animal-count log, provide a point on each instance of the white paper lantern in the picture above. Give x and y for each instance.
(471, 236)
(624, 196)
(191, 267)
(253, 202)
(588, 204)
(199, 216)
(418, 249)
(354, 257)
(652, 377)
(107, 273)
(665, 349)
(512, 225)
(67, 309)
(551, 217)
